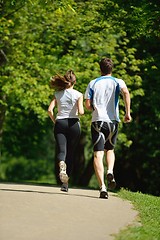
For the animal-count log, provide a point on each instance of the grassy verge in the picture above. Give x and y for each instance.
(149, 217)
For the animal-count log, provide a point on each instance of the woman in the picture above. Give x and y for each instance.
(67, 126)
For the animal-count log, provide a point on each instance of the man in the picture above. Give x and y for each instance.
(102, 99)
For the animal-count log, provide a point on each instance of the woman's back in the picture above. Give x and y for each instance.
(67, 103)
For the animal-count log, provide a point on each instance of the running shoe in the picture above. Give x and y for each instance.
(103, 193)
(111, 181)
(64, 187)
(63, 175)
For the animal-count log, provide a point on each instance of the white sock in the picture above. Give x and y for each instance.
(109, 171)
(103, 187)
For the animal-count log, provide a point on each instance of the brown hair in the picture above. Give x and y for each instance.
(106, 66)
(59, 82)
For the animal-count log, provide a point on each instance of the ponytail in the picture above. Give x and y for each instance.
(59, 82)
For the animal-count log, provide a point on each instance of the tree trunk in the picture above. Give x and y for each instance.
(87, 174)
(2, 115)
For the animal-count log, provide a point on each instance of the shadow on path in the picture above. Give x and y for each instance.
(44, 192)
(38, 212)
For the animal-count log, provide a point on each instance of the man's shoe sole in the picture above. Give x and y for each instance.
(111, 181)
(110, 176)
(103, 194)
(112, 185)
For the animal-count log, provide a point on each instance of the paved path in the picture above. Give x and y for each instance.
(30, 212)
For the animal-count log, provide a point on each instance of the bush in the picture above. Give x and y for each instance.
(18, 169)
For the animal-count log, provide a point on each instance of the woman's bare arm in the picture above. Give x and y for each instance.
(50, 109)
(80, 105)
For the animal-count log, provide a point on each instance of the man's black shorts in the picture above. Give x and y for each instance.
(104, 135)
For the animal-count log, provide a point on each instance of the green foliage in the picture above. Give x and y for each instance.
(22, 169)
(41, 38)
(149, 217)
(141, 21)
(27, 136)
(43, 47)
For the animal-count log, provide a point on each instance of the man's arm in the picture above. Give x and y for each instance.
(127, 102)
(88, 104)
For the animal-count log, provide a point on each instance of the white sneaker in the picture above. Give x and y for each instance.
(63, 175)
(103, 192)
(111, 181)
(64, 187)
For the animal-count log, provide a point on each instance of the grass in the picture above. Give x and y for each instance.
(149, 217)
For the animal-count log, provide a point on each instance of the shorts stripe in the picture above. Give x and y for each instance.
(104, 135)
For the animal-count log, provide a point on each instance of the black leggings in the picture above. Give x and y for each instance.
(67, 134)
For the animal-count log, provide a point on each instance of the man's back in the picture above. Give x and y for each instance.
(104, 93)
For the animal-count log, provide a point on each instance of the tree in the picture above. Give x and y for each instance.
(39, 41)
(141, 161)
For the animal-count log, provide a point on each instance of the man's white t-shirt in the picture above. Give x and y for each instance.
(104, 93)
(67, 103)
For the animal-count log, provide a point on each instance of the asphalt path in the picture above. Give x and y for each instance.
(33, 212)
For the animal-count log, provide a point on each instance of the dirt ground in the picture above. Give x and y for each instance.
(31, 212)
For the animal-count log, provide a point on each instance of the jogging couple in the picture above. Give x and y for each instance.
(102, 98)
